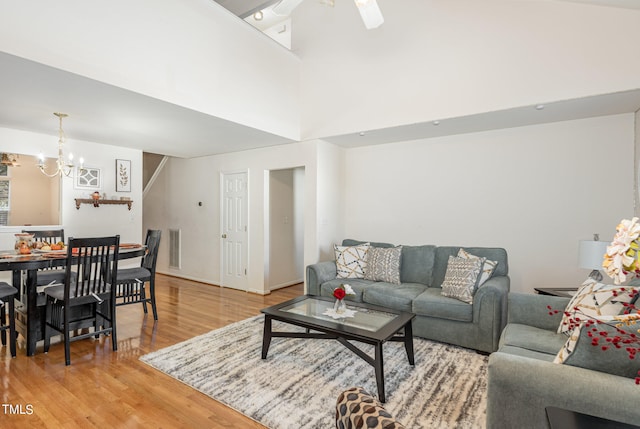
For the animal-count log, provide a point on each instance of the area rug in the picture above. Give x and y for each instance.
(298, 384)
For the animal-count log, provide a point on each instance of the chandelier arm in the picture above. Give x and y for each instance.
(62, 168)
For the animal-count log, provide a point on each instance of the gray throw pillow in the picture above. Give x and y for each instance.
(383, 265)
(579, 350)
(461, 279)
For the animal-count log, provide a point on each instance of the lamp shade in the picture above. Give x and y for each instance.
(591, 253)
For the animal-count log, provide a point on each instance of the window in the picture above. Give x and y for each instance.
(5, 188)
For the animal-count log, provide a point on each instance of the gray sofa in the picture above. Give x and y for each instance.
(422, 271)
(523, 371)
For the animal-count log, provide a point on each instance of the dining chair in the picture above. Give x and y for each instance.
(48, 276)
(87, 298)
(7, 295)
(131, 281)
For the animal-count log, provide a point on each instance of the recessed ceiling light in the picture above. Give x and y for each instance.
(436, 122)
(539, 106)
(258, 16)
(361, 134)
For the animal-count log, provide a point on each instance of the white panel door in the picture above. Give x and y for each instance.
(234, 231)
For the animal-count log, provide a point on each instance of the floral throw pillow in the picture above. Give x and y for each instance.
(595, 300)
(488, 267)
(383, 264)
(461, 278)
(351, 261)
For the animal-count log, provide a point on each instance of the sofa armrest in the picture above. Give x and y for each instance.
(490, 311)
(318, 274)
(497, 284)
(519, 389)
(530, 309)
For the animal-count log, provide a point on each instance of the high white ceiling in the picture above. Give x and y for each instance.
(98, 112)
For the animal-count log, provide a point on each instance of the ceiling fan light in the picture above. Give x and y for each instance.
(370, 13)
(5, 160)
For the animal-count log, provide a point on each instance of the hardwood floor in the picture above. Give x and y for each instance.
(105, 389)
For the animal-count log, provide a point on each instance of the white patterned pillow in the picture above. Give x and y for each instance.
(487, 268)
(351, 261)
(595, 300)
(383, 264)
(461, 279)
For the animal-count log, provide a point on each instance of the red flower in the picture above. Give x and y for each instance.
(339, 293)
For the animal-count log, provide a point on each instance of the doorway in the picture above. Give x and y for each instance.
(285, 228)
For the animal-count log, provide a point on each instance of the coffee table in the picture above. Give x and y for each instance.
(371, 325)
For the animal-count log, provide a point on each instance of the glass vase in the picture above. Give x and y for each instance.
(340, 306)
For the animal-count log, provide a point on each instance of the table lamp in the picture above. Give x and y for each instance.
(590, 256)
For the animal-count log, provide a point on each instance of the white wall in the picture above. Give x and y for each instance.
(193, 53)
(88, 221)
(535, 191)
(173, 203)
(42, 206)
(435, 59)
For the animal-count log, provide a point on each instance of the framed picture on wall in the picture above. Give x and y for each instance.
(123, 175)
(88, 178)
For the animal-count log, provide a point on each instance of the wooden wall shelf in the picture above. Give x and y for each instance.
(99, 202)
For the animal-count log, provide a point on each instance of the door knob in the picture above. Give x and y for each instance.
(224, 235)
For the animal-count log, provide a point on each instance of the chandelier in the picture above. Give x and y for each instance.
(63, 168)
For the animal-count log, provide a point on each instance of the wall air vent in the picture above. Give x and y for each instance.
(174, 248)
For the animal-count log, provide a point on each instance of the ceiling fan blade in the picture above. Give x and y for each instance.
(285, 7)
(370, 13)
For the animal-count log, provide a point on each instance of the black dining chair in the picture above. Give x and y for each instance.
(48, 276)
(7, 296)
(87, 297)
(131, 281)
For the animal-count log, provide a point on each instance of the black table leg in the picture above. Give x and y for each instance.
(379, 368)
(33, 315)
(408, 342)
(266, 336)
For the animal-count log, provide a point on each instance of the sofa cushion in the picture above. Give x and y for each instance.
(532, 338)
(351, 261)
(398, 297)
(358, 286)
(383, 265)
(432, 303)
(593, 300)
(352, 242)
(519, 351)
(461, 279)
(417, 264)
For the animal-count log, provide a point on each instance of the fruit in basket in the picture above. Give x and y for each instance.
(56, 246)
(46, 248)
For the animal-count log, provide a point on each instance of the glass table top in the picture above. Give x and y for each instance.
(364, 318)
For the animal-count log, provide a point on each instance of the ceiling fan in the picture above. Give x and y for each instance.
(10, 160)
(369, 10)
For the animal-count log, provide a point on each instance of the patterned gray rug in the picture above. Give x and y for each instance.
(298, 384)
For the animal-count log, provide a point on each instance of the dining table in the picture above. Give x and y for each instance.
(29, 264)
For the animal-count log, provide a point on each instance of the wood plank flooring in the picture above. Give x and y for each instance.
(105, 389)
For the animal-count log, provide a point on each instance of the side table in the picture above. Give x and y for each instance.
(565, 292)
